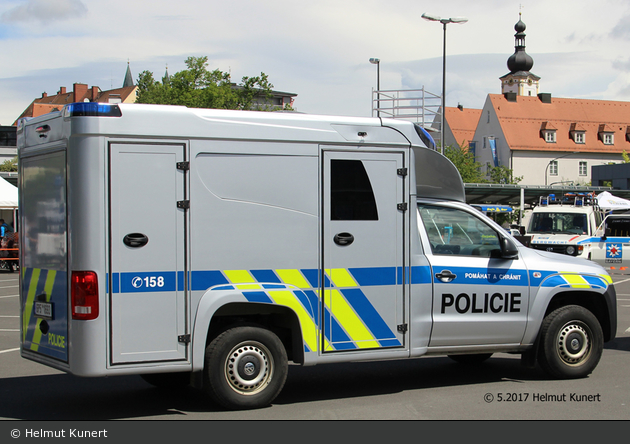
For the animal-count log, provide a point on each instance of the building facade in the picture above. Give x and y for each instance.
(543, 139)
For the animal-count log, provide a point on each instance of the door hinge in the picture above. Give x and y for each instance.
(402, 206)
(402, 172)
(184, 339)
(184, 166)
(402, 328)
(183, 204)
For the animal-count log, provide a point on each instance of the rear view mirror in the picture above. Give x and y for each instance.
(508, 249)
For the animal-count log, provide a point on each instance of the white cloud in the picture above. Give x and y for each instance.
(45, 11)
(318, 49)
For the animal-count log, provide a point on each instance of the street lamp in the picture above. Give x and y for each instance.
(552, 160)
(377, 62)
(444, 21)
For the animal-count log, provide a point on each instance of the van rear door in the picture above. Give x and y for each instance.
(44, 253)
(148, 253)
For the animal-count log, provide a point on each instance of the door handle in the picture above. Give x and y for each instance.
(446, 276)
(343, 239)
(135, 240)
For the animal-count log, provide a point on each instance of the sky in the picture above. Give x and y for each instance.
(317, 49)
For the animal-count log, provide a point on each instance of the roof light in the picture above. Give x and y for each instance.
(425, 137)
(91, 109)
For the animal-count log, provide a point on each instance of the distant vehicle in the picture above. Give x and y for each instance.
(565, 224)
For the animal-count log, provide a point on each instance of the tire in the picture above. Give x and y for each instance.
(167, 380)
(471, 359)
(571, 343)
(245, 368)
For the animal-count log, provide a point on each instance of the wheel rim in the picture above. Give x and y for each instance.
(249, 367)
(574, 344)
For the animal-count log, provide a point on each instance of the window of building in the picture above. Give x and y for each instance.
(579, 137)
(582, 169)
(553, 168)
(351, 192)
(550, 136)
(608, 138)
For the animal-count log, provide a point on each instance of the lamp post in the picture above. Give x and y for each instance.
(444, 21)
(377, 62)
(552, 160)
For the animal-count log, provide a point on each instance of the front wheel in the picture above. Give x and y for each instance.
(571, 342)
(245, 368)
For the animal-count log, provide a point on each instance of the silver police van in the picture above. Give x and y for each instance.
(213, 247)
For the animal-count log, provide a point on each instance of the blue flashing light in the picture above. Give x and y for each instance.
(425, 137)
(92, 109)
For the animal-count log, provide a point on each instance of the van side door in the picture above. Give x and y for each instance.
(479, 298)
(363, 250)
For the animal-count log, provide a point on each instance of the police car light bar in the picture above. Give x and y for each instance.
(91, 109)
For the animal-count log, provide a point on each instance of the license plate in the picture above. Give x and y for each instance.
(44, 310)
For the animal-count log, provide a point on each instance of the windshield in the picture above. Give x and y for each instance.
(569, 223)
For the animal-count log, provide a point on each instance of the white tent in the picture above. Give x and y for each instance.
(607, 201)
(8, 194)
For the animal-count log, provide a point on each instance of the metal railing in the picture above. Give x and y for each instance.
(417, 105)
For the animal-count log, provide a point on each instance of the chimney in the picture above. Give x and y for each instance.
(545, 97)
(44, 95)
(460, 107)
(95, 93)
(510, 96)
(79, 92)
(62, 90)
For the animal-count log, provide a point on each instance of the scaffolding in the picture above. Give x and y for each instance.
(417, 105)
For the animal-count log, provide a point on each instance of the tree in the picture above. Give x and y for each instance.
(502, 174)
(198, 87)
(9, 165)
(464, 161)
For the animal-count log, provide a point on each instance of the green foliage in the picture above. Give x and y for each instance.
(626, 158)
(464, 161)
(502, 174)
(9, 165)
(198, 87)
(471, 170)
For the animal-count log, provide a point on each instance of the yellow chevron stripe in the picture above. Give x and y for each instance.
(30, 298)
(248, 286)
(575, 280)
(48, 286)
(239, 276)
(606, 277)
(293, 277)
(341, 277)
(349, 320)
(288, 299)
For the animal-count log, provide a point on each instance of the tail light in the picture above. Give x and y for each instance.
(84, 293)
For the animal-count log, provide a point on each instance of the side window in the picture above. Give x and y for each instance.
(453, 231)
(351, 197)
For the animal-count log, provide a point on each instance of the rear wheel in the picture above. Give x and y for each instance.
(245, 368)
(571, 342)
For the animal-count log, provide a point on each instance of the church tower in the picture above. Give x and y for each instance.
(128, 77)
(519, 80)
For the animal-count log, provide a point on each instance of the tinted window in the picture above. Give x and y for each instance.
(351, 192)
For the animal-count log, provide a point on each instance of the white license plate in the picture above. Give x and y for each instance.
(43, 309)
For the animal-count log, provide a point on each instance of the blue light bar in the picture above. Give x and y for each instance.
(91, 109)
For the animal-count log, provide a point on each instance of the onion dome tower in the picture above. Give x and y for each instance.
(520, 80)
